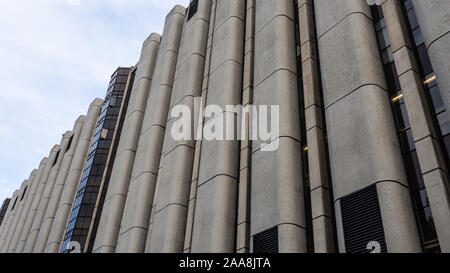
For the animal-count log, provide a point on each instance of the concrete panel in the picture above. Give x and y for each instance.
(73, 178)
(112, 212)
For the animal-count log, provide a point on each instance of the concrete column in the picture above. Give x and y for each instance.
(322, 214)
(42, 208)
(214, 225)
(363, 144)
(36, 200)
(23, 217)
(58, 188)
(198, 144)
(16, 215)
(434, 21)
(7, 223)
(73, 178)
(243, 217)
(169, 218)
(113, 207)
(276, 176)
(135, 221)
(430, 156)
(23, 211)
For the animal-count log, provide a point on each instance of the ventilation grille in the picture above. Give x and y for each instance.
(362, 223)
(192, 9)
(266, 241)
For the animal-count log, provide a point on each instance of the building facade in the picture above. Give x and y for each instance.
(362, 152)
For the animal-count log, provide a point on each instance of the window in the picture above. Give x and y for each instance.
(192, 9)
(23, 194)
(70, 143)
(56, 158)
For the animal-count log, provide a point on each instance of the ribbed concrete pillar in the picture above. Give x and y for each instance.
(23, 217)
(276, 179)
(73, 178)
(36, 200)
(430, 156)
(322, 215)
(169, 219)
(434, 21)
(58, 188)
(135, 221)
(19, 224)
(42, 208)
(7, 224)
(113, 207)
(363, 144)
(16, 212)
(198, 145)
(214, 225)
(243, 217)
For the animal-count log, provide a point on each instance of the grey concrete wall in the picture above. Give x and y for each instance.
(322, 214)
(214, 224)
(73, 178)
(14, 236)
(23, 217)
(363, 144)
(58, 188)
(42, 208)
(169, 218)
(430, 157)
(276, 177)
(16, 215)
(7, 223)
(136, 217)
(434, 21)
(113, 207)
(36, 200)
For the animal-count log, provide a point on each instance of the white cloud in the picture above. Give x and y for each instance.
(55, 60)
(73, 2)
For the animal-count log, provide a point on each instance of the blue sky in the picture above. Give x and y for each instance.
(56, 57)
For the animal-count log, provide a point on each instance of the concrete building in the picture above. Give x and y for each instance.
(362, 153)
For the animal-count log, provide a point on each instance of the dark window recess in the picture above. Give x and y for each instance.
(56, 158)
(192, 9)
(361, 221)
(23, 194)
(14, 204)
(266, 241)
(70, 143)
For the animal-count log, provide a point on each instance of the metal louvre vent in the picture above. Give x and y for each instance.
(362, 222)
(266, 241)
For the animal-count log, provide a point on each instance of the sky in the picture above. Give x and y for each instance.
(56, 56)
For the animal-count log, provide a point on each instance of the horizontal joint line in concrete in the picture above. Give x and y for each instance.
(437, 39)
(278, 138)
(151, 127)
(222, 64)
(179, 145)
(408, 70)
(321, 216)
(142, 173)
(214, 177)
(133, 227)
(403, 46)
(340, 21)
(226, 20)
(375, 183)
(271, 20)
(114, 195)
(425, 137)
(319, 187)
(309, 58)
(313, 127)
(186, 60)
(435, 169)
(273, 73)
(353, 91)
(170, 205)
